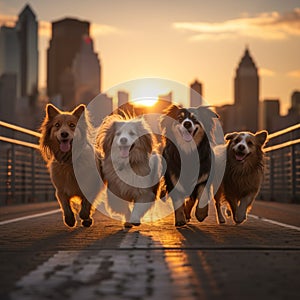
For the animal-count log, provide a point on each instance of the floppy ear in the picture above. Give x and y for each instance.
(261, 137)
(230, 136)
(51, 111)
(108, 138)
(146, 142)
(207, 112)
(77, 112)
(170, 112)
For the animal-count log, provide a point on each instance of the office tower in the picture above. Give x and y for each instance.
(246, 93)
(86, 69)
(27, 28)
(8, 97)
(295, 99)
(65, 43)
(271, 112)
(123, 98)
(196, 94)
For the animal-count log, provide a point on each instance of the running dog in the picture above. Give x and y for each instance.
(188, 155)
(57, 134)
(129, 166)
(243, 174)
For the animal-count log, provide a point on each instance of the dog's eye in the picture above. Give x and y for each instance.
(57, 125)
(72, 125)
(180, 119)
(131, 133)
(249, 143)
(118, 133)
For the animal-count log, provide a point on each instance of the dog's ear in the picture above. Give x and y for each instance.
(77, 112)
(230, 136)
(108, 138)
(51, 111)
(170, 112)
(261, 137)
(206, 112)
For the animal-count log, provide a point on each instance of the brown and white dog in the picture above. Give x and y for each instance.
(129, 166)
(58, 130)
(243, 174)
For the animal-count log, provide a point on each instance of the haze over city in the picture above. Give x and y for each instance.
(183, 41)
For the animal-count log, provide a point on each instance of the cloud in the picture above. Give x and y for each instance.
(8, 20)
(266, 72)
(294, 74)
(265, 26)
(102, 29)
(45, 28)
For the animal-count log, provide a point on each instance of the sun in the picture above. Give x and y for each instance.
(146, 93)
(144, 101)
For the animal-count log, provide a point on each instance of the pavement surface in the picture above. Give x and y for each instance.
(41, 258)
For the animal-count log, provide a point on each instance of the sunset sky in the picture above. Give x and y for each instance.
(182, 40)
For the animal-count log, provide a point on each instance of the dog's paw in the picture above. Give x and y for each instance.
(87, 222)
(201, 213)
(136, 224)
(180, 223)
(70, 221)
(128, 225)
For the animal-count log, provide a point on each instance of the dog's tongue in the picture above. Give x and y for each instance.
(124, 151)
(239, 157)
(186, 136)
(65, 146)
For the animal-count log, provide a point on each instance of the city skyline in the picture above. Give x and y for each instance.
(183, 44)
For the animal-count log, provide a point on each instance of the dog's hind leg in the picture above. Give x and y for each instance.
(178, 205)
(68, 214)
(85, 213)
(189, 204)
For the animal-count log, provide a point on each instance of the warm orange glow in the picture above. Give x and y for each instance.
(145, 102)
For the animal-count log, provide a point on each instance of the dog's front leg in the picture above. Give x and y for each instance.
(204, 195)
(141, 206)
(68, 215)
(178, 205)
(86, 212)
(241, 210)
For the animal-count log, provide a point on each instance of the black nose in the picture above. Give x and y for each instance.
(64, 134)
(187, 124)
(241, 147)
(123, 140)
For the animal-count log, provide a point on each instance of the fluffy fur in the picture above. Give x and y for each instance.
(58, 129)
(243, 174)
(129, 166)
(185, 142)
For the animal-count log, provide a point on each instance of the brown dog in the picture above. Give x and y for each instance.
(243, 174)
(57, 131)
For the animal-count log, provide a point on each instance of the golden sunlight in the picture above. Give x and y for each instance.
(146, 93)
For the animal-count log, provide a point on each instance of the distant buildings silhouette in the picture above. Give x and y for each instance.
(74, 76)
(73, 68)
(19, 69)
(196, 94)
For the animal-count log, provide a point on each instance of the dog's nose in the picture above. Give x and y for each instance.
(64, 134)
(187, 124)
(241, 147)
(123, 140)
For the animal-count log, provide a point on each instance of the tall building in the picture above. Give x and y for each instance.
(196, 94)
(19, 69)
(123, 98)
(246, 93)
(295, 99)
(27, 27)
(86, 69)
(65, 43)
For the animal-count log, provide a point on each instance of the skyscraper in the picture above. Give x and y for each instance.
(196, 94)
(65, 43)
(86, 69)
(27, 28)
(246, 93)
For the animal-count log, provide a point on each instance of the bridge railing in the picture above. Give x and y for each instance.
(24, 177)
(282, 166)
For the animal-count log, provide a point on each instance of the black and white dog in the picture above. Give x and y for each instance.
(187, 133)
